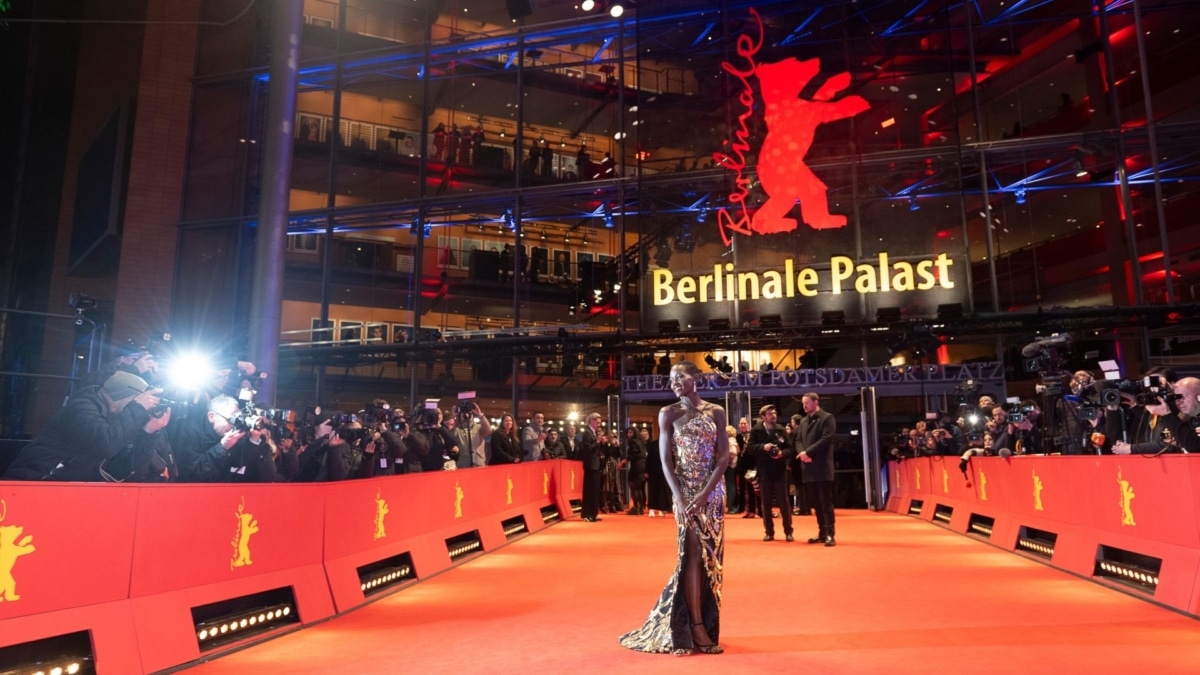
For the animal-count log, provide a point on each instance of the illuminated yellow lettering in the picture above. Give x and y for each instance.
(842, 268)
(663, 295)
(705, 281)
(744, 277)
(791, 280)
(883, 272)
(773, 285)
(943, 264)
(903, 280)
(729, 281)
(865, 283)
(923, 270)
(686, 290)
(806, 281)
(720, 295)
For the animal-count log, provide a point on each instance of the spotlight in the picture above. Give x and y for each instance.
(718, 324)
(887, 315)
(950, 311)
(1080, 172)
(1021, 196)
(833, 317)
(671, 326)
(913, 205)
(616, 10)
(588, 5)
(770, 321)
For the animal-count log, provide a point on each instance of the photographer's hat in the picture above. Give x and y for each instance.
(766, 409)
(123, 385)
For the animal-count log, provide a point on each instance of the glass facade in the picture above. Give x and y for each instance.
(488, 173)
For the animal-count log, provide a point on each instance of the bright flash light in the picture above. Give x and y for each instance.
(588, 5)
(973, 419)
(190, 371)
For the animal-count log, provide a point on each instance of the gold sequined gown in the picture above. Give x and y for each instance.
(668, 628)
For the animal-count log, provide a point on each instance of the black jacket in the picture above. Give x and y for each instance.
(505, 449)
(591, 453)
(83, 431)
(198, 450)
(770, 468)
(815, 437)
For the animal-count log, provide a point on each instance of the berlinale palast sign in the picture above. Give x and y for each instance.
(768, 261)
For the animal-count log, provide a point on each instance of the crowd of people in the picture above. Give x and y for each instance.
(1157, 413)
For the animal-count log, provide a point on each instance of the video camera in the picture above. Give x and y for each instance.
(1017, 412)
(428, 414)
(466, 404)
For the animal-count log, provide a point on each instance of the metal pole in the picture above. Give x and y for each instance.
(266, 304)
(1153, 139)
(333, 138)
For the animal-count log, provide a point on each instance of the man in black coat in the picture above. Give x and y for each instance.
(591, 453)
(814, 441)
(98, 424)
(772, 450)
(210, 449)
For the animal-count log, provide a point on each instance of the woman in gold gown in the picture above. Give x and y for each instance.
(695, 453)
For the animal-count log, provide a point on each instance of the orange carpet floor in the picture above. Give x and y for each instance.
(897, 595)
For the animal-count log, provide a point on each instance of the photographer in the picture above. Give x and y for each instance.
(434, 444)
(471, 428)
(1152, 424)
(99, 426)
(333, 455)
(383, 445)
(772, 450)
(222, 446)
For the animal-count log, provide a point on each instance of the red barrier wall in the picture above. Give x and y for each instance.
(1146, 505)
(129, 562)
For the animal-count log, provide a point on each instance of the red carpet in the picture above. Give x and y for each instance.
(897, 595)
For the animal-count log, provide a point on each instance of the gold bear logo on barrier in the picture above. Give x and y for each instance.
(918, 479)
(982, 486)
(509, 489)
(1037, 491)
(381, 511)
(545, 482)
(12, 546)
(1127, 496)
(247, 527)
(459, 495)
(945, 481)
(572, 480)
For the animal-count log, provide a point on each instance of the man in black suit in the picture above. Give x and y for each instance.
(772, 450)
(591, 453)
(814, 440)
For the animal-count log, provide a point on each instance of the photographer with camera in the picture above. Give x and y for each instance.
(226, 445)
(1148, 420)
(383, 448)
(471, 428)
(335, 453)
(436, 447)
(772, 449)
(103, 433)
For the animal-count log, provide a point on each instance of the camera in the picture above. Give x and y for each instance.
(466, 404)
(1017, 412)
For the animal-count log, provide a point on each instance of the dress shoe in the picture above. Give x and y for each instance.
(769, 537)
(830, 541)
(791, 538)
(816, 540)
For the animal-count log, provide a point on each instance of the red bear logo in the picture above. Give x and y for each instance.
(791, 124)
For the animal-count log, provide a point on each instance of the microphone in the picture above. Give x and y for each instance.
(1037, 346)
(1004, 452)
